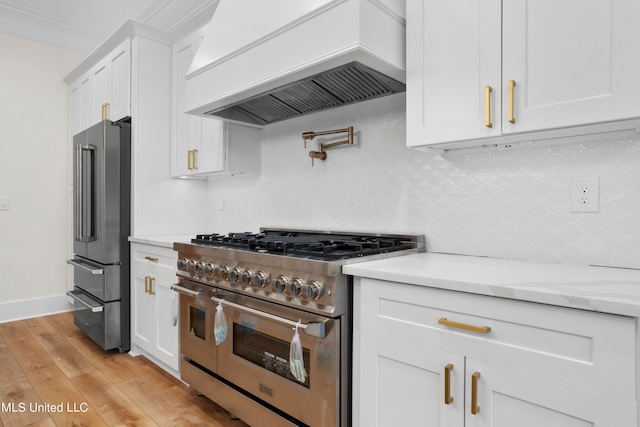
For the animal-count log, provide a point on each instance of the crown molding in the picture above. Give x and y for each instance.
(44, 30)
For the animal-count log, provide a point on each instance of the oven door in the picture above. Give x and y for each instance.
(197, 312)
(255, 357)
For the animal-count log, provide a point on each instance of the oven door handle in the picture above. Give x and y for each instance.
(190, 292)
(314, 329)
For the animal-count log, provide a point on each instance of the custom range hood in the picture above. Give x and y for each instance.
(265, 61)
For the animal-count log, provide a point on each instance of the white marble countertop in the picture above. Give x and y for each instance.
(604, 289)
(165, 240)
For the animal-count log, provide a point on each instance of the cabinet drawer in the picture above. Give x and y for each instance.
(592, 351)
(154, 259)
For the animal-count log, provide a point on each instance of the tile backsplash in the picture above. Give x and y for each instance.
(499, 202)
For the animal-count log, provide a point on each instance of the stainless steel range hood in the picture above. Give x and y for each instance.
(262, 62)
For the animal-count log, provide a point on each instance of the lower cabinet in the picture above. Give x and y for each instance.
(430, 357)
(154, 306)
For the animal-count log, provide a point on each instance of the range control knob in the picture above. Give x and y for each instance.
(210, 269)
(198, 269)
(234, 275)
(183, 264)
(191, 265)
(223, 272)
(260, 279)
(312, 290)
(246, 276)
(280, 284)
(295, 286)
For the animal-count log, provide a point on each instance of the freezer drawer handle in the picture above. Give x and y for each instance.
(93, 308)
(313, 329)
(94, 271)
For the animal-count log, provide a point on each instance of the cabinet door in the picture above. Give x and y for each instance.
(574, 62)
(101, 90)
(506, 398)
(403, 384)
(453, 54)
(143, 313)
(120, 81)
(166, 322)
(86, 101)
(211, 152)
(185, 125)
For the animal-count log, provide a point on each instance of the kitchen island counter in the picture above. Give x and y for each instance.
(602, 289)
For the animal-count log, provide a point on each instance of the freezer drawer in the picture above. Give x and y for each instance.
(101, 281)
(100, 321)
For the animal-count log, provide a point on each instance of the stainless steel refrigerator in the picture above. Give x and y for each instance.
(101, 226)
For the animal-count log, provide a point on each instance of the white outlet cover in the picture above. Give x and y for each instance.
(4, 203)
(585, 194)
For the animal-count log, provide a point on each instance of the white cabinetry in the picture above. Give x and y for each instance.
(203, 146)
(518, 364)
(108, 81)
(494, 69)
(154, 306)
(132, 71)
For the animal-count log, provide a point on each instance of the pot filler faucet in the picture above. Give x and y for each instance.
(321, 154)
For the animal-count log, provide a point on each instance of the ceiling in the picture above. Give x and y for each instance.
(81, 25)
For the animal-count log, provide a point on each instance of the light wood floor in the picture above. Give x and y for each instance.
(47, 364)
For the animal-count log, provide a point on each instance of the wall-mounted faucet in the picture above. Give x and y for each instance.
(320, 154)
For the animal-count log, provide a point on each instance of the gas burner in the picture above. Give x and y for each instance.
(324, 246)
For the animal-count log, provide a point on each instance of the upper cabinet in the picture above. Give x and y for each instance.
(201, 146)
(107, 82)
(503, 71)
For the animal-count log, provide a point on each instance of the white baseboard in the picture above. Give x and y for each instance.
(28, 308)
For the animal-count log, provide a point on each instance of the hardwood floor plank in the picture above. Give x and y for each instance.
(47, 361)
(159, 405)
(16, 392)
(65, 404)
(63, 354)
(26, 350)
(114, 407)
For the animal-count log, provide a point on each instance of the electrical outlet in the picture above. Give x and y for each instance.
(4, 203)
(585, 194)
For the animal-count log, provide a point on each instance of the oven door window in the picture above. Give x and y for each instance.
(266, 351)
(197, 322)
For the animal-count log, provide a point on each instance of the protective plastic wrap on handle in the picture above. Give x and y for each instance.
(296, 362)
(220, 325)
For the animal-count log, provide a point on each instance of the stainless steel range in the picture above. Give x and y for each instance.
(266, 320)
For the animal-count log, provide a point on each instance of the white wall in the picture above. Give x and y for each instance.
(508, 203)
(34, 126)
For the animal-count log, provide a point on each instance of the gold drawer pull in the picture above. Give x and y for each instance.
(512, 86)
(151, 258)
(487, 106)
(447, 384)
(474, 393)
(466, 327)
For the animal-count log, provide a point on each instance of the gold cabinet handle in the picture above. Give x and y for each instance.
(146, 283)
(189, 167)
(447, 384)
(474, 393)
(195, 159)
(487, 106)
(151, 280)
(465, 326)
(151, 258)
(512, 85)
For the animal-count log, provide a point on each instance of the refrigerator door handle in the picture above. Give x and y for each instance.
(79, 264)
(84, 193)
